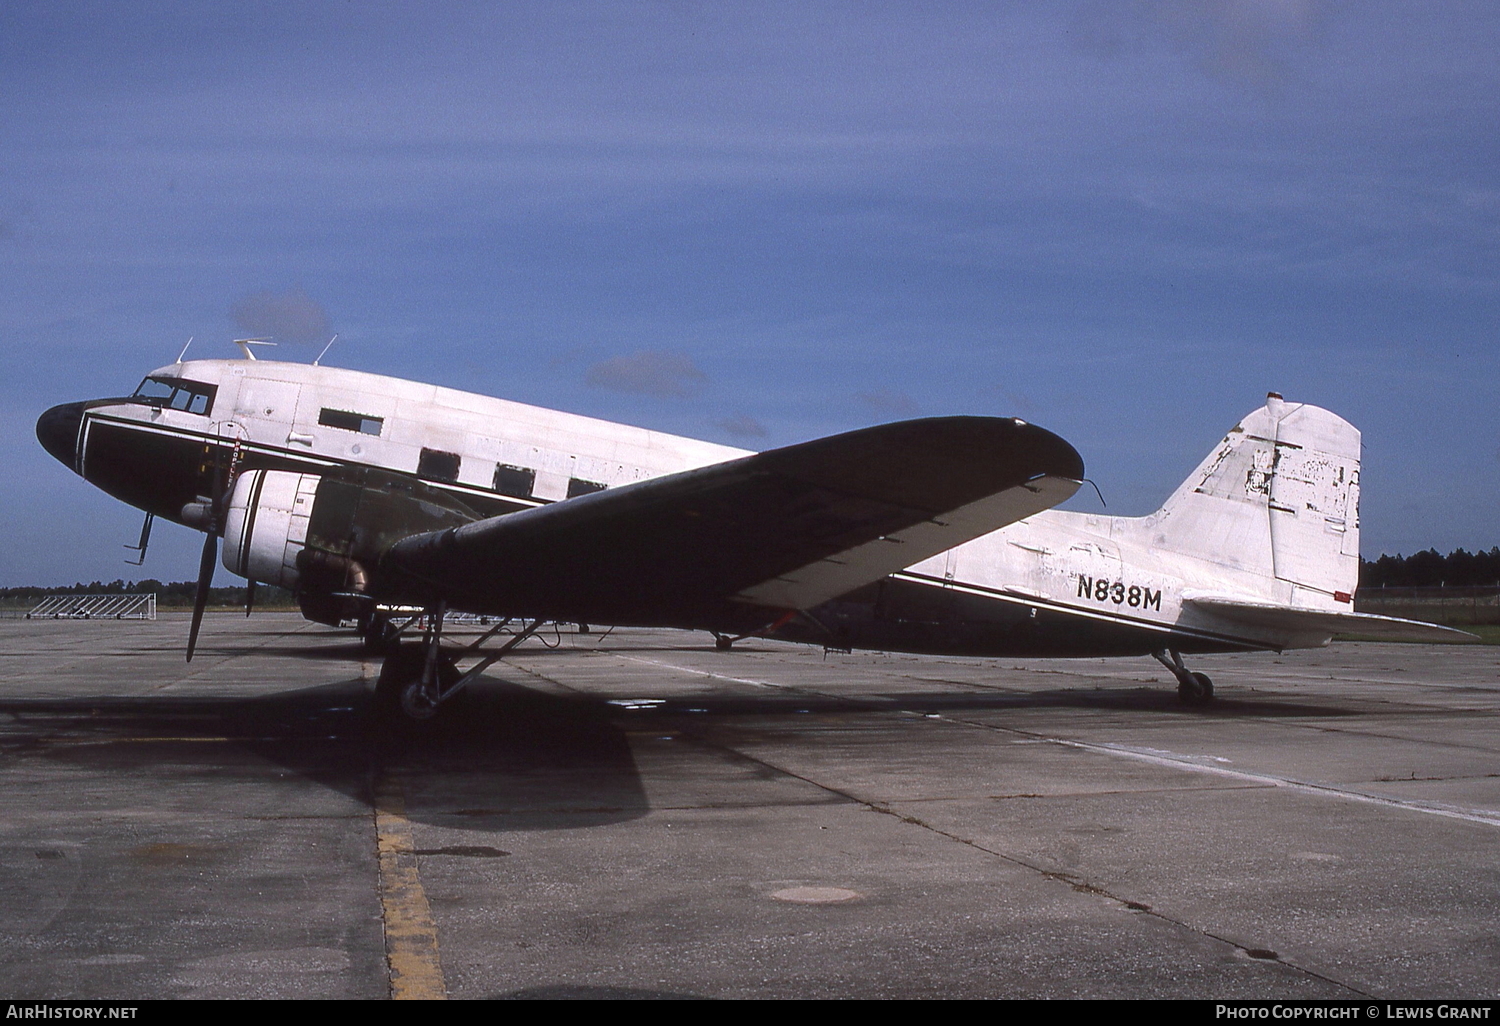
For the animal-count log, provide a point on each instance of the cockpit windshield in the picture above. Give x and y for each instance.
(177, 394)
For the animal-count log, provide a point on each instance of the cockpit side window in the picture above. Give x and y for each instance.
(156, 391)
(177, 394)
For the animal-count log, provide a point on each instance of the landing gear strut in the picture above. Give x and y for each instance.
(377, 632)
(417, 679)
(1192, 688)
(402, 692)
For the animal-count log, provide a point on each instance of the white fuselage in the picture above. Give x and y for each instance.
(279, 406)
(1109, 570)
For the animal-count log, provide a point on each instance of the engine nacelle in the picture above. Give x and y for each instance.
(317, 534)
(265, 529)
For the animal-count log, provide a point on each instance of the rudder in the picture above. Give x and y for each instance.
(1277, 498)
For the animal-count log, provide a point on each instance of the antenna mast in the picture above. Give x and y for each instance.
(246, 343)
(327, 347)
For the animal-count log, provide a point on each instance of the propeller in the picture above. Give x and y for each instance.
(205, 580)
(210, 551)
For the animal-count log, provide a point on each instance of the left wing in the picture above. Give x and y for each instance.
(781, 530)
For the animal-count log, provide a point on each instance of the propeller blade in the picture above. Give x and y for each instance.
(249, 596)
(217, 500)
(205, 579)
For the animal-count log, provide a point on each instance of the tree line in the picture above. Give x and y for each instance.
(1430, 569)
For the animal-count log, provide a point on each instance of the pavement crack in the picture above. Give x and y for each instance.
(1072, 880)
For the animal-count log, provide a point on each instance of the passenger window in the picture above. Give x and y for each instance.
(578, 486)
(440, 466)
(515, 481)
(345, 421)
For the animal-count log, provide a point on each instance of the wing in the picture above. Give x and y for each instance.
(782, 530)
(1293, 622)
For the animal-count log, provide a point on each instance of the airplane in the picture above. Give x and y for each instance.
(368, 495)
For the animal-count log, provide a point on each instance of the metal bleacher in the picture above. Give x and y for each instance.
(95, 607)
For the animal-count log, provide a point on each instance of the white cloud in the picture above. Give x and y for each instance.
(743, 426)
(889, 403)
(664, 375)
(291, 316)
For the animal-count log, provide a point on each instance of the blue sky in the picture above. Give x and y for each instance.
(758, 223)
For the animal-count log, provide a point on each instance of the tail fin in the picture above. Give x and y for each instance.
(1278, 498)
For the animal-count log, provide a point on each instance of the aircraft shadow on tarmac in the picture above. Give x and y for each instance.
(1161, 697)
(513, 757)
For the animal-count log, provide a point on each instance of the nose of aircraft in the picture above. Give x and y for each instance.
(57, 430)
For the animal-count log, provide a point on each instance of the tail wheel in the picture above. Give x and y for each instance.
(1206, 686)
(1195, 689)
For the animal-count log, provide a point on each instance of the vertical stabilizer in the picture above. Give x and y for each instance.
(1314, 506)
(1278, 498)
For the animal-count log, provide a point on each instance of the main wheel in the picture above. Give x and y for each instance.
(723, 642)
(399, 692)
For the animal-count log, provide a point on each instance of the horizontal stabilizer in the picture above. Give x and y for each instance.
(781, 530)
(1290, 620)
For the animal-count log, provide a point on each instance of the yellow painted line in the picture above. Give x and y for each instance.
(411, 945)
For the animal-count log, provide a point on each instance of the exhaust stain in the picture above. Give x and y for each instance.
(815, 895)
(471, 851)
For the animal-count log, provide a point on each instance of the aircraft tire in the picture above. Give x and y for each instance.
(1195, 689)
(723, 644)
(1206, 686)
(398, 691)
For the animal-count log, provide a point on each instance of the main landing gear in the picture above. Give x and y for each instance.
(418, 679)
(1192, 688)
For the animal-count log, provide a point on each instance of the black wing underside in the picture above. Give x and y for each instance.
(739, 543)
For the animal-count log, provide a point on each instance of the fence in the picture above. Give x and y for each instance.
(1449, 605)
